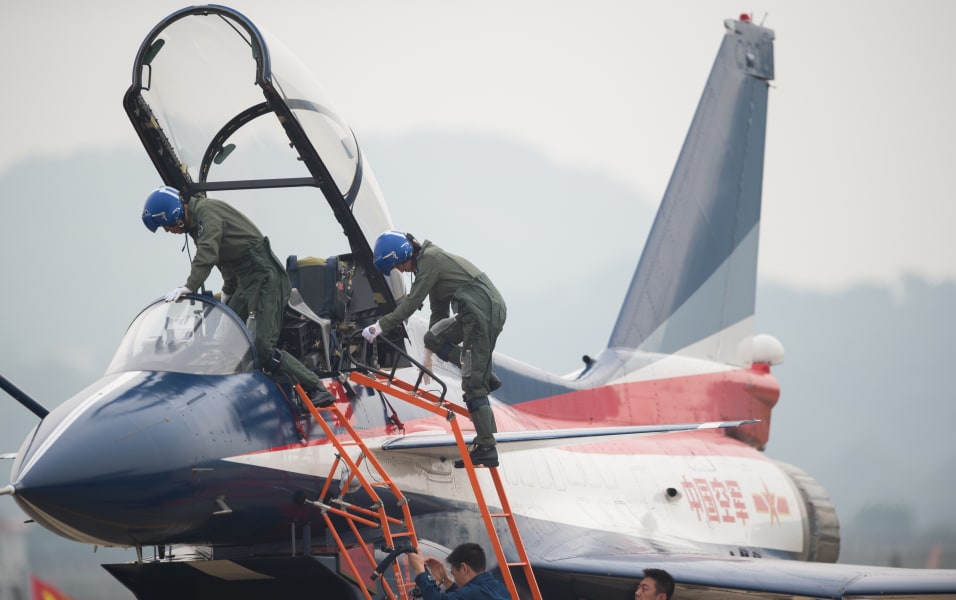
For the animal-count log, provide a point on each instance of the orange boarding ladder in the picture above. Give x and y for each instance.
(374, 517)
(437, 405)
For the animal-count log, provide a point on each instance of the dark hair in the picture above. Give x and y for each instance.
(415, 245)
(470, 554)
(662, 581)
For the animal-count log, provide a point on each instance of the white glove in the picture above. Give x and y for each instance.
(175, 294)
(224, 297)
(371, 332)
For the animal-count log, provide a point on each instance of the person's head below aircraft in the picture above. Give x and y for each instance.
(657, 584)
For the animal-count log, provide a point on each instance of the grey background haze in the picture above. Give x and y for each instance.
(557, 128)
(866, 406)
(860, 130)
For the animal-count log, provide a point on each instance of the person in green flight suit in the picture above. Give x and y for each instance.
(255, 286)
(465, 339)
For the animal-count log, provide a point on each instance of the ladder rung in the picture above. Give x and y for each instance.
(439, 406)
(373, 517)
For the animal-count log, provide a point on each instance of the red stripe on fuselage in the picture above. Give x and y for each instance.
(722, 396)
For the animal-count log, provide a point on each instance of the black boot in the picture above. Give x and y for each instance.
(480, 456)
(321, 397)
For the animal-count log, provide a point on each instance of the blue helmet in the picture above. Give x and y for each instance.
(163, 208)
(392, 248)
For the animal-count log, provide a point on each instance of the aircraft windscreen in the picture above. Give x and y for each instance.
(188, 336)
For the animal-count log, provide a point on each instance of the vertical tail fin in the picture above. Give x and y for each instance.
(693, 292)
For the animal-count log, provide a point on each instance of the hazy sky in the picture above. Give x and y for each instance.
(861, 126)
(857, 182)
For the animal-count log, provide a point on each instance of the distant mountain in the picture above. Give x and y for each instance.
(560, 244)
(866, 407)
(865, 393)
(867, 404)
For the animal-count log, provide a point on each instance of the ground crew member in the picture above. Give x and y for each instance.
(465, 339)
(255, 286)
(657, 584)
(469, 580)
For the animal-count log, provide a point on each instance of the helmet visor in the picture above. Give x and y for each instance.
(386, 263)
(153, 222)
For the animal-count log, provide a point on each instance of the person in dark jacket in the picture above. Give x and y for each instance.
(466, 339)
(468, 581)
(255, 286)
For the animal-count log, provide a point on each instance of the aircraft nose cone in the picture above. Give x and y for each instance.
(141, 458)
(100, 464)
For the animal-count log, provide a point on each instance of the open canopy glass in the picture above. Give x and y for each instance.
(219, 105)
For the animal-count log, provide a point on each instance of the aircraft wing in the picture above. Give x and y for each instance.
(740, 578)
(438, 444)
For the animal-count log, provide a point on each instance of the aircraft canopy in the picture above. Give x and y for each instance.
(194, 335)
(219, 105)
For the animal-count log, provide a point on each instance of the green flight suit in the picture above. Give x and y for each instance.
(252, 276)
(453, 283)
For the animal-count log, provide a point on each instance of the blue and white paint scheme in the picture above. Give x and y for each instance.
(651, 456)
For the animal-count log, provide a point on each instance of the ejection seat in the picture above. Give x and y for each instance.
(313, 309)
(331, 300)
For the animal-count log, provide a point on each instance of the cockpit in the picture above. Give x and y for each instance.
(225, 110)
(195, 335)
